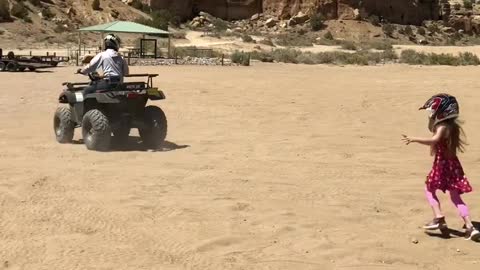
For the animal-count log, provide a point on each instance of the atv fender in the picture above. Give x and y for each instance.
(109, 97)
(71, 97)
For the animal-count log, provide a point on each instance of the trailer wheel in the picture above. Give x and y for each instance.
(2, 66)
(31, 68)
(22, 69)
(12, 66)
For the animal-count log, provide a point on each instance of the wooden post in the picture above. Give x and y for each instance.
(47, 53)
(77, 59)
(30, 53)
(79, 43)
(156, 49)
(169, 45)
(128, 58)
(223, 58)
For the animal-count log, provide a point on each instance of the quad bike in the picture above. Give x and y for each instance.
(116, 108)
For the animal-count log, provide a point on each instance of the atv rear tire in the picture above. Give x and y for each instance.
(155, 132)
(63, 125)
(3, 67)
(12, 67)
(96, 130)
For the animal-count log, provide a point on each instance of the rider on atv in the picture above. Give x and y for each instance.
(113, 65)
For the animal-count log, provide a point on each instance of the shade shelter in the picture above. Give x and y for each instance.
(128, 27)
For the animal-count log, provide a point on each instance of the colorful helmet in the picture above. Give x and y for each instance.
(441, 108)
(112, 42)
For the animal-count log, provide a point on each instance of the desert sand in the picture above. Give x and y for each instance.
(272, 166)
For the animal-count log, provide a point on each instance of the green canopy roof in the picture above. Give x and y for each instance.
(125, 27)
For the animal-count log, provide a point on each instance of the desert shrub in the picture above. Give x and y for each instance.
(421, 31)
(328, 36)
(388, 29)
(137, 4)
(262, 56)
(469, 59)
(96, 5)
(341, 58)
(286, 55)
(418, 58)
(412, 57)
(389, 55)
(306, 58)
(408, 30)
(434, 28)
(374, 20)
(467, 4)
(19, 10)
(47, 13)
(294, 40)
(267, 42)
(349, 45)
(4, 11)
(328, 42)
(317, 22)
(220, 25)
(36, 3)
(247, 38)
(241, 58)
(381, 45)
(59, 28)
(159, 19)
(194, 51)
(325, 58)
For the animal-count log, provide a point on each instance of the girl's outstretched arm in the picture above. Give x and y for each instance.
(439, 133)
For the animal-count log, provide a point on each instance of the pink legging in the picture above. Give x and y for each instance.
(454, 196)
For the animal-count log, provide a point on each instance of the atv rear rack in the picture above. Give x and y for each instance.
(150, 78)
(149, 81)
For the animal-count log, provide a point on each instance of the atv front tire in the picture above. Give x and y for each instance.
(155, 131)
(96, 130)
(12, 67)
(63, 125)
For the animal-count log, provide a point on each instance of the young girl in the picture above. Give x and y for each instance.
(447, 172)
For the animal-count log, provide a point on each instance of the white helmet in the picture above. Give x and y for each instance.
(112, 42)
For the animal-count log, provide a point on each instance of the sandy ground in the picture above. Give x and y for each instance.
(266, 167)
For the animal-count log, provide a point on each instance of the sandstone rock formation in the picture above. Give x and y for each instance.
(397, 11)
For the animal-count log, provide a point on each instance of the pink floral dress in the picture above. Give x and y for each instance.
(447, 172)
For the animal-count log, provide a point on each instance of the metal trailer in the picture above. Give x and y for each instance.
(14, 63)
